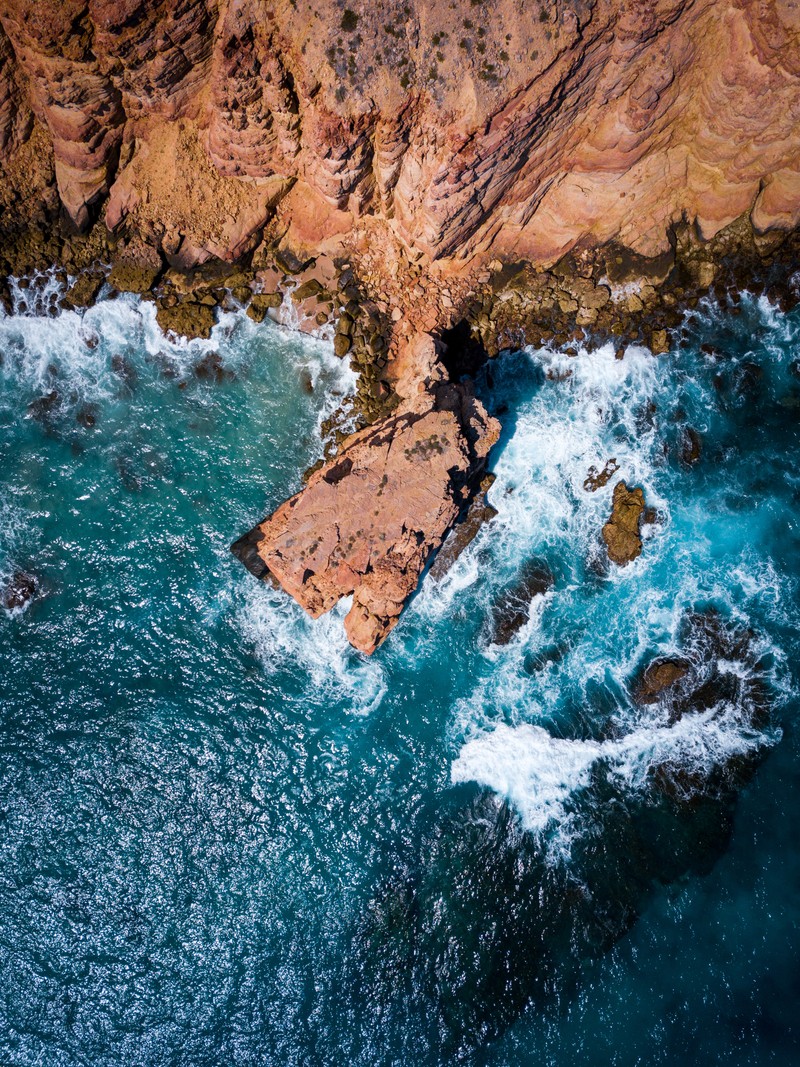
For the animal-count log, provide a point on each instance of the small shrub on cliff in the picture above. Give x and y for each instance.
(349, 20)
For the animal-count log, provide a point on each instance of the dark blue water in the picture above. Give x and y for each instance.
(225, 838)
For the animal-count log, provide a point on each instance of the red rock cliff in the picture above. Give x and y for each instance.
(528, 129)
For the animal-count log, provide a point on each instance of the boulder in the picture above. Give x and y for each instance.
(306, 290)
(187, 319)
(659, 342)
(130, 276)
(266, 300)
(659, 676)
(341, 344)
(84, 290)
(621, 532)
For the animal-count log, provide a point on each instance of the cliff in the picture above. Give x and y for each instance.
(196, 123)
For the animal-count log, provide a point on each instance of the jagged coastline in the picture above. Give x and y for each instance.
(409, 373)
(425, 192)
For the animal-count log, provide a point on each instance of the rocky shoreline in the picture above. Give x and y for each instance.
(411, 340)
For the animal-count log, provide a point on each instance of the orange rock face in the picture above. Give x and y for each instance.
(367, 522)
(541, 128)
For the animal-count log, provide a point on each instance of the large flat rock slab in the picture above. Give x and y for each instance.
(368, 521)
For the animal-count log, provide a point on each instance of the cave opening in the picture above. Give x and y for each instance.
(463, 353)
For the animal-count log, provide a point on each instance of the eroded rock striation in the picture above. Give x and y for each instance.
(195, 123)
(368, 521)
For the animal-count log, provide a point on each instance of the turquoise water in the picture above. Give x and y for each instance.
(226, 838)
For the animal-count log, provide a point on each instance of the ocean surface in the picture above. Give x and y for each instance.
(228, 839)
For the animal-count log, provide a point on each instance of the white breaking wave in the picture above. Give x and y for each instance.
(584, 641)
(283, 634)
(539, 773)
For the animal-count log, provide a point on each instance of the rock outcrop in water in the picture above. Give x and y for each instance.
(621, 532)
(368, 520)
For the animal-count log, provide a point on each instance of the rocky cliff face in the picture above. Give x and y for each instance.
(523, 131)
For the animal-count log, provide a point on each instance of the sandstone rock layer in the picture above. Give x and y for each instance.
(548, 126)
(368, 521)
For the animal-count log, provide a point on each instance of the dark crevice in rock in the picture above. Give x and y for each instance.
(463, 352)
(246, 551)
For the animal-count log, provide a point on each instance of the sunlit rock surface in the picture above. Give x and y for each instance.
(367, 521)
(544, 127)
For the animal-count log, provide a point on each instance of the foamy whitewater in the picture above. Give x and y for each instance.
(226, 837)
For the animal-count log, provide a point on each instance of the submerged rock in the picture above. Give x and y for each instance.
(512, 610)
(124, 369)
(691, 447)
(368, 520)
(211, 368)
(18, 591)
(86, 415)
(43, 408)
(621, 532)
(659, 676)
